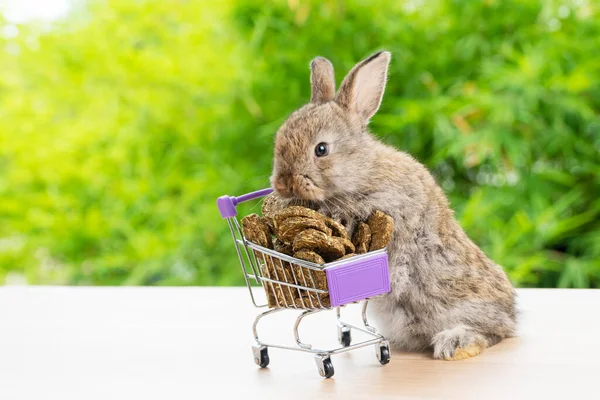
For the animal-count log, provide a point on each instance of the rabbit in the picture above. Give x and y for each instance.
(446, 294)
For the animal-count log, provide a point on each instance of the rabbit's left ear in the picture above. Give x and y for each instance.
(322, 80)
(362, 89)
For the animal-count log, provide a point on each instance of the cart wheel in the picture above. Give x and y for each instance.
(344, 336)
(383, 355)
(261, 356)
(325, 366)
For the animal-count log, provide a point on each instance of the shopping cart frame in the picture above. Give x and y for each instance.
(253, 260)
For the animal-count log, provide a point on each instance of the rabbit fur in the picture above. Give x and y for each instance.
(447, 295)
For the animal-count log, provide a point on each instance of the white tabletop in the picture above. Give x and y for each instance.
(194, 343)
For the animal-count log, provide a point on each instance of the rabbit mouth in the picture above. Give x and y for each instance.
(301, 186)
(305, 188)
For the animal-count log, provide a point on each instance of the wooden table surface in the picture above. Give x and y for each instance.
(194, 343)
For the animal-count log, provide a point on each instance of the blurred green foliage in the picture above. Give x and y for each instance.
(123, 122)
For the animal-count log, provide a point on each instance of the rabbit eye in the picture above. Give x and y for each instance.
(321, 150)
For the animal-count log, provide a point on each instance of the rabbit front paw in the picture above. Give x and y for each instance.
(458, 343)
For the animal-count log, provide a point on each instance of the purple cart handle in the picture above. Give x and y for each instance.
(227, 204)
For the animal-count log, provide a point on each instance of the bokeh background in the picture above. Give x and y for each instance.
(122, 121)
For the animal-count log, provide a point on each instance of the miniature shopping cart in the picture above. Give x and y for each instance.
(348, 281)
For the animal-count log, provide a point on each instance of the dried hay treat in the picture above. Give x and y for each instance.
(290, 227)
(309, 255)
(269, 289)
(315, 280)
(269, 229)
(346, 256)
(272, 204)
(382, 226)
(319, 242)
(280, 271)
(257, 231)
(286, 295)
(337, 229)
(303, 302)
(310, 239)
(295, 211)
(362, 238)
(281, 247)
(310, 301)
(300, 298)
(348, 246)
(311, 278)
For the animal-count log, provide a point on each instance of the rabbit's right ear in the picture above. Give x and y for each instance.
(322, 80)
(362, 89)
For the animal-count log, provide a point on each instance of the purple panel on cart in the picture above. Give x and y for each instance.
(359, 279)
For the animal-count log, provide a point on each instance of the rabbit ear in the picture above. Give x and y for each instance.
(322, 80)
(362, 89)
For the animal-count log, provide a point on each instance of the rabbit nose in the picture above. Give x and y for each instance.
(280, 184)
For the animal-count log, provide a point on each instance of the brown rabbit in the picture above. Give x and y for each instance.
(446, 293)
